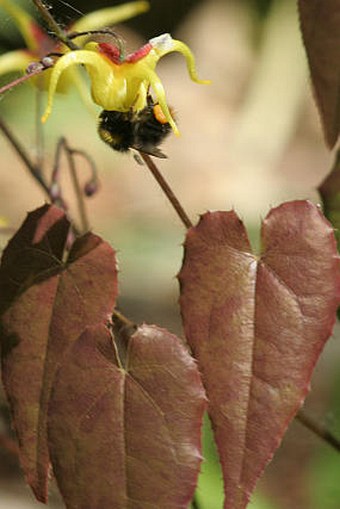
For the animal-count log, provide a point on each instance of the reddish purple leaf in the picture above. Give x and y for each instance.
(320, 25)
(257, 327)
(127, 437)
(46, 303)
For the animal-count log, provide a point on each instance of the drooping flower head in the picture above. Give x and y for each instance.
(121, 83)
(39, 43)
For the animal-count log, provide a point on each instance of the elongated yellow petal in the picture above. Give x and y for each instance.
(76, 77)
(164, 44)
(25, 23)
(110, 16)
(101, 70)
(190, 59)
(141, 98)
(160, 94)
(14, 61)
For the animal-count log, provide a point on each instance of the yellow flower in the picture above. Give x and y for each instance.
(39, 43)
(121, 83)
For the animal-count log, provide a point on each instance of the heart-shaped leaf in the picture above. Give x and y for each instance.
(46, 303)
(320, 25)
(126, 437)
(257, 327)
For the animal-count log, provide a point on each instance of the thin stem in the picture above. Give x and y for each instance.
(39, 131)
(94, 174)
(119, 319)
(55, 190)
(54, 26)
(122, 329)
(85, 225)
(33, 169)
(319, 429)
(20, 80)
(167, 190)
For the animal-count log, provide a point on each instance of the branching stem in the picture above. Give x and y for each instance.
(36, 173)
(33, 169)
(39, 131)
(121, 320)
(20, 80)
(318, 429)
(85, 225)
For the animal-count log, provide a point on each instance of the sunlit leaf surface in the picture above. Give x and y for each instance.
(257, 326)
(127, 437)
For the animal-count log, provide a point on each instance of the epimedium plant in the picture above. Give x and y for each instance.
(116, 409)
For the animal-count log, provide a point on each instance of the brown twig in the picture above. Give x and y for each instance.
(33, 169)
(39, 131)
(92, 184)
(22, 79)
(50, 190)
(85, 225)
(122, 321)
(54, 26)
(122, 329)
(167, 190)
(318, 429)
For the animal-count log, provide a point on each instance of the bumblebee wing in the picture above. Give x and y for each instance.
(151, 151)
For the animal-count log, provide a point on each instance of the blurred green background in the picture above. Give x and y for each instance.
(249, 141)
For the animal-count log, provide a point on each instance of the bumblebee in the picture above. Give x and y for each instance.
(143, 130)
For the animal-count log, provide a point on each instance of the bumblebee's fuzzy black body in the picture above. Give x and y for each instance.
(141, 130)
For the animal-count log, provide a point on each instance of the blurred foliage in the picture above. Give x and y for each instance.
(261, 6)
(164, 15)
(324, 481)
(324, 470)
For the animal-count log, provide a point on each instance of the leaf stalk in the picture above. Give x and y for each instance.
(318, 429)
(167, 190)
(33, 169)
